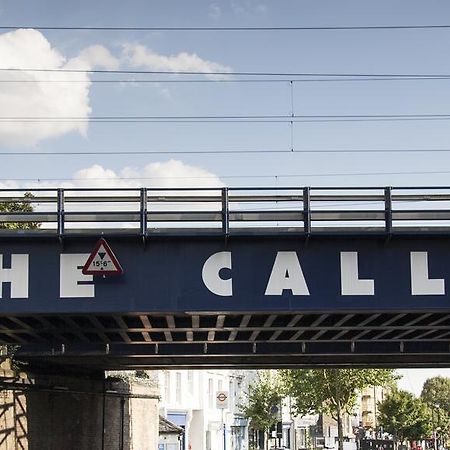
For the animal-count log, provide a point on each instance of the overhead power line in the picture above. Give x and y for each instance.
(273, 28)
(229, 80)
(247, 176)
(226, 118)
(220, 152)
(141, 152)
(229, 73)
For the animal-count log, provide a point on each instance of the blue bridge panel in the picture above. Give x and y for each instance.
(258, 274)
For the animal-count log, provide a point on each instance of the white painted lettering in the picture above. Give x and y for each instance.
(350, 282)
(211, 274)
(17, 275)
(420, 283)
(70, 276)
(287, 274)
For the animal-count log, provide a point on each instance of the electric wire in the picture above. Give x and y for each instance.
(248, 176)
(271, 28)
(226, 73)
(225, 118)
(228, 80)
(219, 152)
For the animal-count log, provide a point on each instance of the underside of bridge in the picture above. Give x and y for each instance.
(247, 340)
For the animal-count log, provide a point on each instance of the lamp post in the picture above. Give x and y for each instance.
(375, 411)
(224, 430)
(433, 424)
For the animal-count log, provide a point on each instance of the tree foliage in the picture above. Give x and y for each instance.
(323, 390)
(405, 416)
(331, 391)
(264, 395)
(436, 394)
(18, 207)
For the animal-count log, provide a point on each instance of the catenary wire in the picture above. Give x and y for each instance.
(224, 118)
(225, 73)
(228, 80)
(272, 28)
(218, 152)
(249, 176)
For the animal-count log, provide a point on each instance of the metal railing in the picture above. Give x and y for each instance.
(304, 211)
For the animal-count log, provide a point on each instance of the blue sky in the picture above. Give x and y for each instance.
(375, 51)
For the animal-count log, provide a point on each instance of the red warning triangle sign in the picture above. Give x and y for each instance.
(102, 261)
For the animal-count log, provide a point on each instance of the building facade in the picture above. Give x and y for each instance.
(189, 399)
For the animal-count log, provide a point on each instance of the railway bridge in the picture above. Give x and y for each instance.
(227, 277)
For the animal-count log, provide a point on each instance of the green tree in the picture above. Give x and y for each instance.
(263, 399)
(405, 416)
(436, 394)
(18, 207)
(331, 391)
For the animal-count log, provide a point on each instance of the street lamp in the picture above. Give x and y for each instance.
(435, 426)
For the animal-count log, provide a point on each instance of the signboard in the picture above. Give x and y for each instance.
(102, 261)
(192, 274)
(222, 399)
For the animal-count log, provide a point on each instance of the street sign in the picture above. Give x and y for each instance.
(222, 399)
(102, 261)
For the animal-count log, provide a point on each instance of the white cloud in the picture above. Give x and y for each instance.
(215, 11)
(168, 174)
(248, 7)
(159, 175)
(98, 56)
(138, 55)
(34, 97)
(172, 173)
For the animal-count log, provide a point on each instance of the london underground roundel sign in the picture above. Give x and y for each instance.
(222, 399)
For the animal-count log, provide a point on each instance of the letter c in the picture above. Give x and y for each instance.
(210, 274)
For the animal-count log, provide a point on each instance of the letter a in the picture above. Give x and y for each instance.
(287, 274)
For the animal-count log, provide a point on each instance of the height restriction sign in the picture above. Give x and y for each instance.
(102, 261)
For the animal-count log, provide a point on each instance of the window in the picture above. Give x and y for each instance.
(210, 393)
(301, 437)
(286, 436)
(167, 386)
(231, 394)
(191, 382)
(178, 388)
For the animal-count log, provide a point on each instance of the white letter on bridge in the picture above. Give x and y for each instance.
(420, 283)
(210, 274)
(70, 275)
(287, 274)
(17, 276)
(350, 283)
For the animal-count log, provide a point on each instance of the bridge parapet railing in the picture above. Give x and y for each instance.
(225, 211)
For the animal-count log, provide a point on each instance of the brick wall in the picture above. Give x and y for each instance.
(68, 413)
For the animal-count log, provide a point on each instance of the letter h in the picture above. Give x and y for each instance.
(17, 276)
